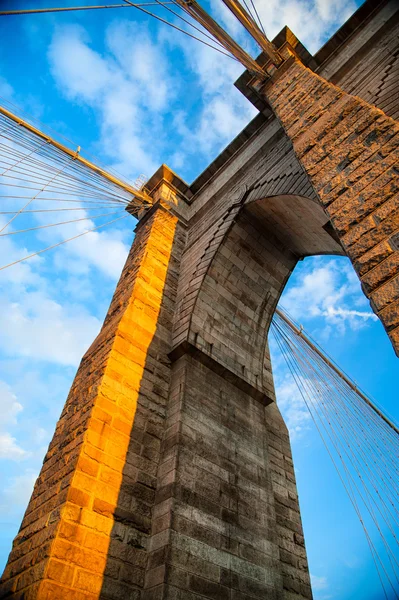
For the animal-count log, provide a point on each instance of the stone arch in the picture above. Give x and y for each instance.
(240, 277)
(277, 173)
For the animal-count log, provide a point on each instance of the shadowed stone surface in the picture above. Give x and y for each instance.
(350, 151)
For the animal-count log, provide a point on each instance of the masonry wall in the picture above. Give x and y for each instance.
(366, 65)
(170, 472)
(378, 82)
(350, 151)
(226, 516)
(178, 482)
(265, 167)
(226, 519)
(232, 312)
(85, 531)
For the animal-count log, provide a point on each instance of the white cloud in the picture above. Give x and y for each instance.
(40, 328)
(143, 62)
(9, 410)
(221, 120)
(9, 449)
(137, 97)
(345, 313)
(82, 73)
(17, 492)
(312, 21)
(121, 86)
(21, 272)
(137, 93)
(104, 250)
(318, 583)
(40, 435)
(33, 322)
(329, 291)
(309, 21)
(223, 110)
(292, 405)
(9, 405)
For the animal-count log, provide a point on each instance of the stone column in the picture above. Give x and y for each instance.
(226, 522)
(350, 151)
(170, 473)
(84, 533)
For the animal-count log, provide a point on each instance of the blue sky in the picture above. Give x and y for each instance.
(135, 94)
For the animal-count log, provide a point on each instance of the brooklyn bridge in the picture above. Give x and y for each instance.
(170, 473)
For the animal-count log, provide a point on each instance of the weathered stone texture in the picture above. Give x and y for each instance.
(213, 483)
(226, 520)
(170, 473)
(350, 151)
(269, 168)
(90, 512)
(374, 74)
(232, 310)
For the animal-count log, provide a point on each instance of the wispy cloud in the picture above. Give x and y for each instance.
(345, 313)
(15, 495)
(292, 405)
(118, 85)
(318, 582)
(311, 21)
(325, 295)
(10, 408)
(137, 96)
(9, 447)
(37, 326)
(329, 291)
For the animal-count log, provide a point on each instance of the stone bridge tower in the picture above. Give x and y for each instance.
(170, 473)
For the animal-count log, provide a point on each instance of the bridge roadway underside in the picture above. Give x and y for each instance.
(170, 473)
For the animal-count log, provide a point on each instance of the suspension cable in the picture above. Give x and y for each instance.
(30, 11)
(361, 440)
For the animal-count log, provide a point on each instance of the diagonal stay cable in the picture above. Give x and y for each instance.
(201, 31)
(147, 12)
(337, 392)
(39, 166)
(359, 410)
(31, 200)
(115, 212)
(321, 387)
(391, 425)
(22, 159)
(353, 501)
(257, 16)
(47, 210)
(31, 11)
(351, 482)
(66, 199)
(62, 242)
(341, 449)
(50, 131)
